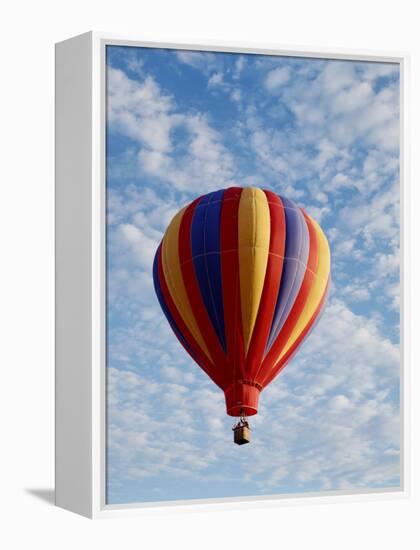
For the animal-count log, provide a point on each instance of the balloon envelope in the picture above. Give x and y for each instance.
(242, 275)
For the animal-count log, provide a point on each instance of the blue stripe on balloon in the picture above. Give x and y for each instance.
(205, 245)
(165, 308)
(294, 266)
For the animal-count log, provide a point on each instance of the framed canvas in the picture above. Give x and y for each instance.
(231, 303)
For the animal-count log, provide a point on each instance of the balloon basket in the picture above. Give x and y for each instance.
(241, 432)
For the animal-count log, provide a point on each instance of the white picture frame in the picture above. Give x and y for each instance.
(80, 275)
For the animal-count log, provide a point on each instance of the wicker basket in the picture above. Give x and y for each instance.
(241, 435)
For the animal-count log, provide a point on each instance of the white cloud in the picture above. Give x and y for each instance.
(140, 110)
(205, 62)
(372, 71)
(321, 197)
(239, 66)
(357, 292)
(376, 220)
(326, 151)
(343, 246)
(236, 95)
(205, 164)
(262, 143)
(135, 64)
(276, 78)
(216, 79)
(138, 242)
(388, 264)
(352, 99)
(339, 113)
(379, 163)
(293, 192)
(393, 291)
(143, 112)
(318, 212)
(154, 162)
(340, 104)
(217, 82)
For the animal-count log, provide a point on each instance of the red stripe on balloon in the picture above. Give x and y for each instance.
(192, 288)
(201, 357)
(230, 283)
(271, 286)
(298, 306)
(294, 348)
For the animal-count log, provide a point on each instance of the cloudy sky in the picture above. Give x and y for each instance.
(324, 133)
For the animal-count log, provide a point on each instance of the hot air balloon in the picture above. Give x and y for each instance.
(242, 275)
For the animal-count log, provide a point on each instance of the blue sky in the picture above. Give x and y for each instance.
(323, 133)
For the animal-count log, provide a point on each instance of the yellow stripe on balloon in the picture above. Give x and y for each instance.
(173, 277)
(254, 246)
(317, 290)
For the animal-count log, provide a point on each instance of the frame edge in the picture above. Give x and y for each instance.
(73, 258)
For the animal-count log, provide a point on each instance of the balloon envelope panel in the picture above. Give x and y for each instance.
(242, 276)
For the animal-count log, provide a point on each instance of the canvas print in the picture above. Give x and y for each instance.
(252, 273)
